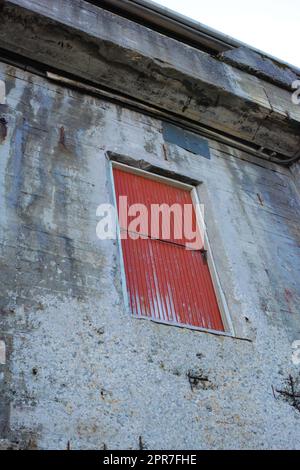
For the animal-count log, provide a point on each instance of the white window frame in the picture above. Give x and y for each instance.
(222, 303)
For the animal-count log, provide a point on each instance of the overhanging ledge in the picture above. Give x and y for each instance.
(107, 50)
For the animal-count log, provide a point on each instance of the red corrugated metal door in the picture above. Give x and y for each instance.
(165, 281)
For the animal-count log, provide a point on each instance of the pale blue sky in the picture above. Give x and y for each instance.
(270, 25)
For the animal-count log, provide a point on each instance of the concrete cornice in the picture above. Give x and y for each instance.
(107, 50)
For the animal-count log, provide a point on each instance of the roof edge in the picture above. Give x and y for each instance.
(174, 24)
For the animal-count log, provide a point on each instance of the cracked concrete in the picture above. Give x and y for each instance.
(96, 45)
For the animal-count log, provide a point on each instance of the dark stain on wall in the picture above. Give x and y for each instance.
(199, 380)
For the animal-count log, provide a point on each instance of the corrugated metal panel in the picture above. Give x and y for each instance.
(141, 190)
(165, 281)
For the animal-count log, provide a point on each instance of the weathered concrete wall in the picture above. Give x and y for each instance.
(77, 369)
(79, 38)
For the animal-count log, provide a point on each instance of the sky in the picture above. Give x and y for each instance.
(272, 26)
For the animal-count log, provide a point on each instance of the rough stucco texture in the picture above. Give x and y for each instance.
(79, 371)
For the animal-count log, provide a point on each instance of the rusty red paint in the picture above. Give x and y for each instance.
(165, 281)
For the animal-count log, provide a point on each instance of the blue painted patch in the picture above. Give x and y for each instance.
(186, 140)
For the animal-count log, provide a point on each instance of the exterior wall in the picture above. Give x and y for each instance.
(79, 371)
(295, 169)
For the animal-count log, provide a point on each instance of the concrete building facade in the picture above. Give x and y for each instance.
(83, 85)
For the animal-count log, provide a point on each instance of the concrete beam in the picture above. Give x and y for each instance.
(96, 45)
